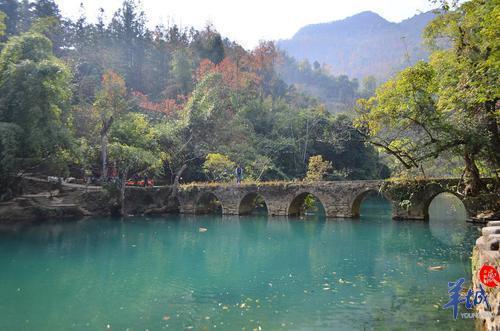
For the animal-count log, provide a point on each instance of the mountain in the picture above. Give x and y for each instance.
(362, 45)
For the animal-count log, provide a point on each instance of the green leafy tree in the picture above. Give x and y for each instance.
(218, 167)
(182, 73)
(469, 71)
(449, 104)
(131, 160)
(133, 149)
(34, 96)
(10, 149)
(402, 117)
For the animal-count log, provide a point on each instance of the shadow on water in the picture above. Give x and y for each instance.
(374, 205)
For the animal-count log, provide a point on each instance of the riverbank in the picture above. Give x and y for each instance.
(37, 200)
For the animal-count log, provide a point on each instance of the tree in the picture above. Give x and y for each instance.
(182, 72)
(218, 167)
(110, 102)
(208, 44)
(262, 61)
(131, 160)
(10, 149)
(469, 77)
(34, 96)
(2, 23)
(134, 149)
(402, 118)
(45, 8)
(128, 33)
(449, 104)
(10, 9)
(317, 168)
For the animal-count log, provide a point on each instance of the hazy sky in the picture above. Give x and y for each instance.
(249, 21)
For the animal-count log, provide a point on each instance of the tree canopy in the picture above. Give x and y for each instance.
(448, 106)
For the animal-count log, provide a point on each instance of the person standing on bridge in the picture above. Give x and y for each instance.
(239, 174)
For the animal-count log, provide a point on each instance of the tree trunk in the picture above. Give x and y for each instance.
(305, 143)
(492, 126)
(123, 184)
(104, 155)
(175, 185)
(473, 178)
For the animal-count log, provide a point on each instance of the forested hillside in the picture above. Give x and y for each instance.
(119, 99)
(337, 93)
(362, 45)
(79, 97)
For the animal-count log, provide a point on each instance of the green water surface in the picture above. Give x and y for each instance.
(148, 273)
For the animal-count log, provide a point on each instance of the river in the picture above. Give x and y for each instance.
(248, 272)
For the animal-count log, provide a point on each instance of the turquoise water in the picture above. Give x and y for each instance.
(242, 273)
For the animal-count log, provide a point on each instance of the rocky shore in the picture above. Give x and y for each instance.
(39, 199)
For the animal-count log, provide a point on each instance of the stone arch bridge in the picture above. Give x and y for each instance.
(409, 199)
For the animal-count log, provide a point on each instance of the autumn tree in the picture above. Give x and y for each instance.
(317, 168)
(264, 58)
(110, 102)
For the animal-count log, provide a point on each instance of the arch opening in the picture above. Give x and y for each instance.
(447, 215)
(370, 203)
(252, 204)
(446, 206)
(208, 203)
(306, 204)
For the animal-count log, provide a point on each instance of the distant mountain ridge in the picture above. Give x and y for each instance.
(361, 45)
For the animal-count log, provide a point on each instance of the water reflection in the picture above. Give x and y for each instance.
(243, 272)
(447, 219)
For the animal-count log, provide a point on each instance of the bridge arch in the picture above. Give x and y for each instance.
(296, 206)
(431, 197)
(208, 203)
(250, 202)
(360, 196)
